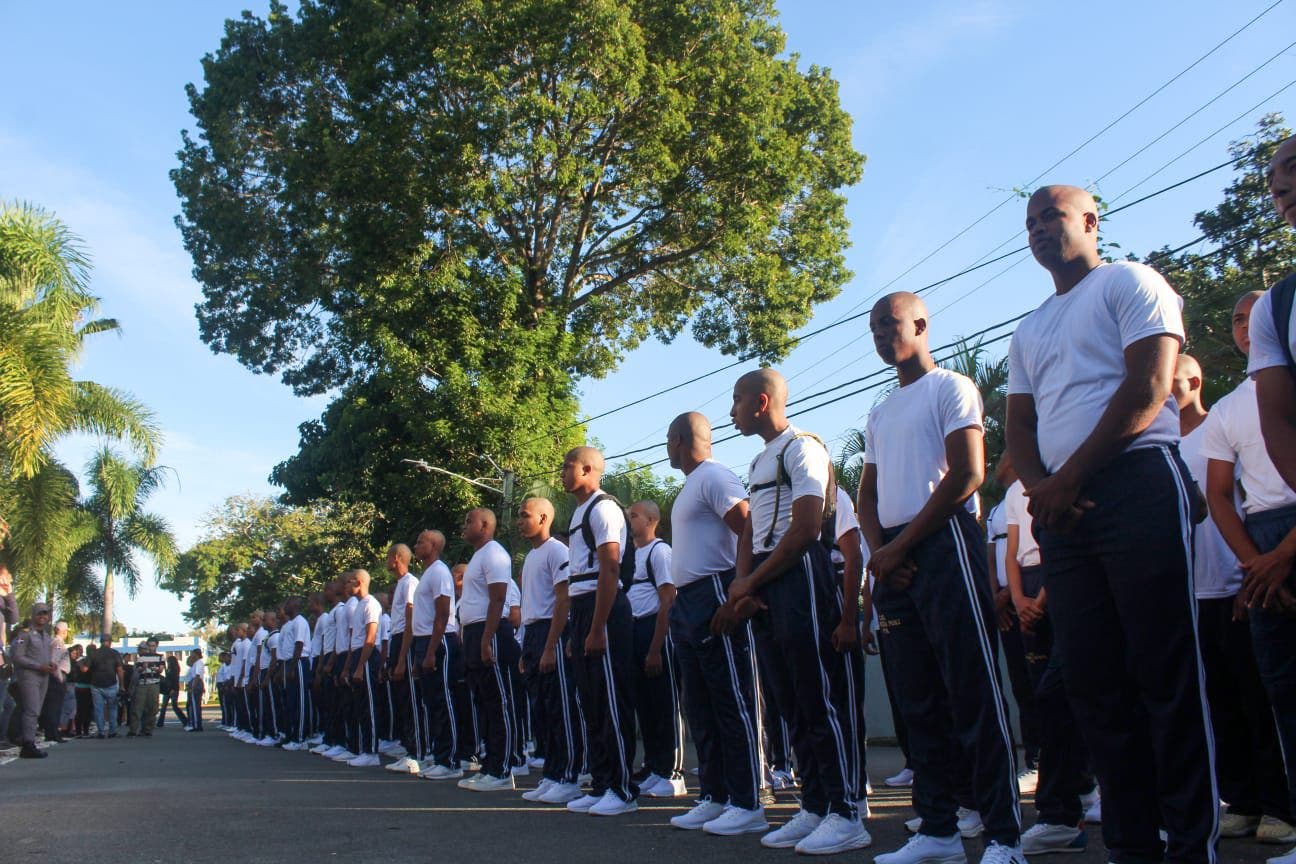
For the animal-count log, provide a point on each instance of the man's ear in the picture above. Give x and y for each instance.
(920, 326)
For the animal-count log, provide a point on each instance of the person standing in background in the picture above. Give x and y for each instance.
(170, 692)
(31, 659)
(107, 680)
(51, 717)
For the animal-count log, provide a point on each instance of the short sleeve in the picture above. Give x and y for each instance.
(1216, 442)
(806, 463)
(846, 521)
(661, 561)
(606, 522)
(558, 563)
(1019, 380)
(1014, 505)
(1266, 348)
(870, 449)
(373, 613)
(722, 491)
(960, 405)
(1144, 305)
(498, 567)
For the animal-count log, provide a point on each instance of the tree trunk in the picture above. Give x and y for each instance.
(108, 602)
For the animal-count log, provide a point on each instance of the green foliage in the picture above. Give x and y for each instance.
(1256, 250)
(257, 552)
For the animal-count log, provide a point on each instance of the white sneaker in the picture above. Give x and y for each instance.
(796, 829)
(1274, 830)
(664, 788)
(914, 825)
(969, 823)
(1289, 858)
(329, 751)
(315, 739)
(487, 783)
(1092, 804)
(535, 762)
(365, 760)
(703, 812)
(520, 771)
(534, 794)
(267, 741)
(397, 751)
(583, 803)
(835, 834)
(649, 782)
(344, 756)
(1044, 839)
(470, 782)
(734, 820)
(319, 748)
(997, 853)
(440, 772)
(612, 804)
(405, 765)
(926, 849)
(780, 780)
(561, 793)
(1027, 781)
(903, 778)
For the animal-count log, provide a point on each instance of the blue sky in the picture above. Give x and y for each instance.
(955, 104)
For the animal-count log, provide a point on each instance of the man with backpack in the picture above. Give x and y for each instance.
(1271, 363)
(602, 636)
(655, 678)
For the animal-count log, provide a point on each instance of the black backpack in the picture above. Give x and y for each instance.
(587, 534)
(828, 528)
(1281, 296)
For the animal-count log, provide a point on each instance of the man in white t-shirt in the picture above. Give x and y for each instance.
(388, 745)
(1093, 431)
(295, 651)
(406, 697)
(436, 658)
(546, 669)
(717, 671)
(654, 677)
(365, 671)
(923, 461)
(258, 659)
(1271, 360)
(602, 638)
(1248, 648)
(783, 566)
(332, 724)
(488, 646)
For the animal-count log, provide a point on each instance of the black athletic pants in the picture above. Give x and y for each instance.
(406, 702)
(436, 691)
(344, 726)
(897, 718)
(942, 660)
(490, 684)
(1124, 614)
(810, 680)
(327, 704)
(1248, 760)
(603, 681)
(1273, 636)
(719, 694)
(775, 733)
(297, 691)
(557, 720)
(1063, 759)
(366, 717)
(471, 745)
(856, 747)
(657, 703)
(1023, 690)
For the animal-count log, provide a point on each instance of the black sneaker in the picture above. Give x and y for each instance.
(31, 751)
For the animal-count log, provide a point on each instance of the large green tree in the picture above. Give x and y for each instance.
(1249, 249)
(484, 201)
(256, 552)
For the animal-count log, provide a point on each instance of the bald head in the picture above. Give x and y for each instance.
(691, 428)
(1187, 386)
(767, 382)
(399, 552)
(582, 471)
(1070, 196)
(1186, 364)
(589, 457)
(479, 526)
(903, 302)
(1241, 321)
(539, 506)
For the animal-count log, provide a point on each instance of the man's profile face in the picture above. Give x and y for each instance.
(571, 473)
(530, 521)
(1241, 322)
(747, 408)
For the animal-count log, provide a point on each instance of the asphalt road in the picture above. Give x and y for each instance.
(186, 797)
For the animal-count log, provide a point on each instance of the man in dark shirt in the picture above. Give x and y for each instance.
(144, 689)
(106, 681)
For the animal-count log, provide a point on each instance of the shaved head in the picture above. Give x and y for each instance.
(764, 381)
(1187, 366)
(691, 427)
(903, 301)
(1062, 225)
(582, 470)
(400, 552)
(1186, 387)
(1247, 300)
(650, 509)
(540, 506)
(1072, 196)
(590, 457)
(480, 522)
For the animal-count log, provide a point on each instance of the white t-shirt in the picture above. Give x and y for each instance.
(259, 640)
(1216, 572)
(806, 464)
(366, 611)
(402, 598)
(997, 533)
(296, 630)
(489, 565)
(1069, 354)
(608, 525)
(317, 635)
(384, 628)
(224, 672)
(1232, 434)
(512, 597)
(195, 671)
(1266, 348)
(846, 522)
(331, 641)
(642, 594)
(346, 625)
(703, 543)
(1015, 513)
(437, 581)
(243, 660)
(544, 567)
(905, 439)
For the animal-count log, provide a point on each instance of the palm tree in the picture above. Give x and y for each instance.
(45, 317)
(119, 490)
